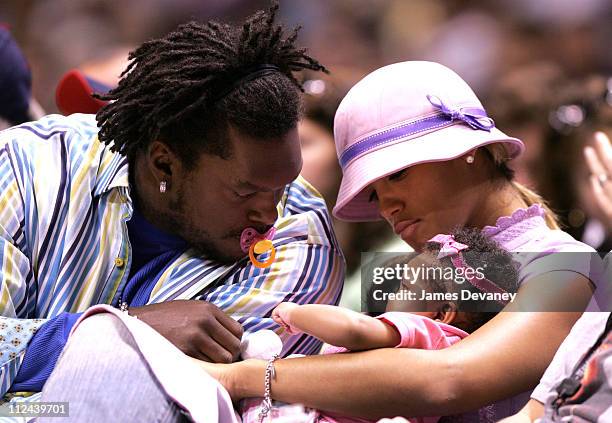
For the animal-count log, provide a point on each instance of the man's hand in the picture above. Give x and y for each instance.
(198, 328)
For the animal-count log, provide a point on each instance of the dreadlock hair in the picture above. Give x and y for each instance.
(186, 88)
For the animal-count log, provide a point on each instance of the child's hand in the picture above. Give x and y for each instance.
(282, 315)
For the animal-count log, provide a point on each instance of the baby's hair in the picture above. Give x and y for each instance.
(483, 255)
(486, 256)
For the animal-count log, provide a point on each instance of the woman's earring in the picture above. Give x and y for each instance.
(162, 186)
(469, 159)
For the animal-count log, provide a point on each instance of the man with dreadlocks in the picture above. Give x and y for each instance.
(196, 147)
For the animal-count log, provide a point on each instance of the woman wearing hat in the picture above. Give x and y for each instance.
(418, 150)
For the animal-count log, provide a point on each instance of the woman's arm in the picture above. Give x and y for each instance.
(486, 367)
(505, 357)
(337, 326)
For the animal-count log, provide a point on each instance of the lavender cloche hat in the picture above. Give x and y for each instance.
(402, 115)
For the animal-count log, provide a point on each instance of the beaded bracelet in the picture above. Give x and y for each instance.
(266, 404)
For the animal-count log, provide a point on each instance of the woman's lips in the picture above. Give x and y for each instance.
(405, 229)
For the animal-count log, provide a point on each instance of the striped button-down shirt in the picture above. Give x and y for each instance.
(64, 203)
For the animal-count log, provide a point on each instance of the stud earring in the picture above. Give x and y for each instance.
(162, 186)
(469, 159)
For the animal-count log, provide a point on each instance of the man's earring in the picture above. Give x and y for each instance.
(162, 186)
(469, 159)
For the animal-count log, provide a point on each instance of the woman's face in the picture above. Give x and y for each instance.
(422, 201)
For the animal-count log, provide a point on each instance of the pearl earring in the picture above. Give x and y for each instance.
(469, 159)
(162, 186)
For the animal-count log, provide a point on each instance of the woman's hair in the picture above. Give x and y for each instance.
(499, 156)
(184, 88)
(483, 255)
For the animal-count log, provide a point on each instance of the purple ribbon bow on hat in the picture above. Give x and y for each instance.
(449, 247)
(475, 117)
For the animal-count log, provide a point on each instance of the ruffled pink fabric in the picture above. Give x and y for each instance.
(519, 216)
(508, 228)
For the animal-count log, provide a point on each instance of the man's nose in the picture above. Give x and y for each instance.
(264, 212)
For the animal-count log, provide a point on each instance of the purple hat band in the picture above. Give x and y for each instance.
(475, 117)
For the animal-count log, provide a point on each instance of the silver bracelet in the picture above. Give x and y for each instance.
(123, 307)
(266, 404)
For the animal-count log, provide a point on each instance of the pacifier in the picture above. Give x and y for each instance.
(253, 242)
(250, 236)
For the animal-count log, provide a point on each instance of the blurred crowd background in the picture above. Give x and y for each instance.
(542, 69)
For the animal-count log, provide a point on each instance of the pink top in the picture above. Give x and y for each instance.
(527, 233)
(415, 331)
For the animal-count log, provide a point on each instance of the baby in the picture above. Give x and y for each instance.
(459, 282)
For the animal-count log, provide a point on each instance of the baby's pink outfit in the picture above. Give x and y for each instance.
(415, 331)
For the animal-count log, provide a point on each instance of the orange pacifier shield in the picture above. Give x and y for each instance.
(261, 247)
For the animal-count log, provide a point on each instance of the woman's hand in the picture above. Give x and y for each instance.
(240, 379)
(222, 372)
(599, 160)
(282, 315)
